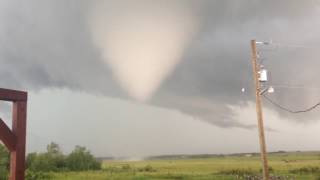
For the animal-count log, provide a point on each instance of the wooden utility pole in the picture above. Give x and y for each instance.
(256, 69)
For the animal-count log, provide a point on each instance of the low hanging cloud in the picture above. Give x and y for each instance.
(192, 56)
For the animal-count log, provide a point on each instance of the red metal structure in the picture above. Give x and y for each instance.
(15, 138)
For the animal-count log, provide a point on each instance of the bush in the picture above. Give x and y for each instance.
(238, 172)
(271, 170)
(4, 162)
(306, 170)
(31, 175)
(147, 168)
(53, 160)
(81, 159)
(126, 167)
(3, 174)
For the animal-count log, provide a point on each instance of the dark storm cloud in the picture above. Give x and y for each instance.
(48, 44)
(217, 64)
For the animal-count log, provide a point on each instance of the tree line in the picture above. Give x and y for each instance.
(53, 160)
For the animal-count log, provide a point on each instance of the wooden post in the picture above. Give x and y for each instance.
(17, 163)
(15, 139)
(256, 69)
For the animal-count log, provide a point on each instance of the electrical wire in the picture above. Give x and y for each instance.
(295, 87)
(276, 46)
(295, 46)
(289, 110)
(288, 45)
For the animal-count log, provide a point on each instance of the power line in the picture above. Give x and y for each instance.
(289, 110)
(288, 45)
(295, 87)
(280, 45)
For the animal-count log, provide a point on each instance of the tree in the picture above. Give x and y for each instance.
(54, 149)
(55, 154)
(80, 159)
(52, 160)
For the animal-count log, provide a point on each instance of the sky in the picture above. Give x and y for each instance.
(139, 78)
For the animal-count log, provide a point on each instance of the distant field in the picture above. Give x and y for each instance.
(299, 165)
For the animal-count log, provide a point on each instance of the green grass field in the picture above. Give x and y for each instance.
(300, 165)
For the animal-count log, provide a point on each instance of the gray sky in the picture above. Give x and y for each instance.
(136, 78)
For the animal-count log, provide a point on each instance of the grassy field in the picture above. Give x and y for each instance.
(299, 165)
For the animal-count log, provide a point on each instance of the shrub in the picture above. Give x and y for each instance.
(306, 170)
(4, 162)
(31, 175)
(271, 170)
(126, 167)
(238, 172)
(81, 159)
(3, 174)
(52, 160)
(147, 168)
